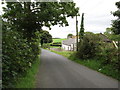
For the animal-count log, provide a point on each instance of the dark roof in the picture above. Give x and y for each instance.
(104, 38)
(69, 41)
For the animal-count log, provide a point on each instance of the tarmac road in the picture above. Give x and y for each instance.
(56, 71)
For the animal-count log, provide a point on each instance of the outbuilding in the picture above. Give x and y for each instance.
(69, 44)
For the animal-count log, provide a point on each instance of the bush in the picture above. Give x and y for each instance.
(17, 56)
(88, 47)
(109, 56)
(47, 45)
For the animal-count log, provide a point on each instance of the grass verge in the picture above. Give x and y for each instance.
(55, 47)
(28, 80)
(93, 64)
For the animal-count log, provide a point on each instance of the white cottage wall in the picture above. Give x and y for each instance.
(66, 47)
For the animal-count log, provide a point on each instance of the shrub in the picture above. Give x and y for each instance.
(110, 56)
(17, 55)
(88, 47)
(47, 45)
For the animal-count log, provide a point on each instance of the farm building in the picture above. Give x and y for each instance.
(69, 44)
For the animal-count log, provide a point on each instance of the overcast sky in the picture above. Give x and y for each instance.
(96, 19)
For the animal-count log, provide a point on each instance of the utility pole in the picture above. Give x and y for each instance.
(76, 34)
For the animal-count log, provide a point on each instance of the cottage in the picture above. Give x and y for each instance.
(69, 44)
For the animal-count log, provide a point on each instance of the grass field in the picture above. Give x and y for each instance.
(58, 40)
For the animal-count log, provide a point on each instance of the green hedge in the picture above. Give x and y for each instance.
(17, 56)
(92, 47)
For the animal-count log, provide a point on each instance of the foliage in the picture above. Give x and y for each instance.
(29, 17)
(69, 35)
(88, 33)
(88, 47)
(109, 56)
(110, 34)
(108, 31)
(81, 33)
(93, 47)
(45, 37)
(17, 55)
(46, 45)
(116, 23)
(115, 37)
(29, 80)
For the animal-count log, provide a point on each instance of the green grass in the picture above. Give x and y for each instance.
(55, 47)
(93, 64)
(63, 53)
(28, 80)
(58, 40)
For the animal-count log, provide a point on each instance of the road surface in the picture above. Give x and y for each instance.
(56, 71)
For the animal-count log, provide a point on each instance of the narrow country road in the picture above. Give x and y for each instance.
(56, 71)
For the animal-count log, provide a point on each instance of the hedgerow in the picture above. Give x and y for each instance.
(93, 48)
(17, 55)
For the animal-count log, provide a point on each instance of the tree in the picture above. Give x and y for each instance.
(110, 34)
(89, 33)
(89, 46)
(116, 23)
(69, 35)
(29, 17)
(81, 33)
(108, 31)
(45, 37)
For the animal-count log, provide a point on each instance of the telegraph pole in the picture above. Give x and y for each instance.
(76, 34)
